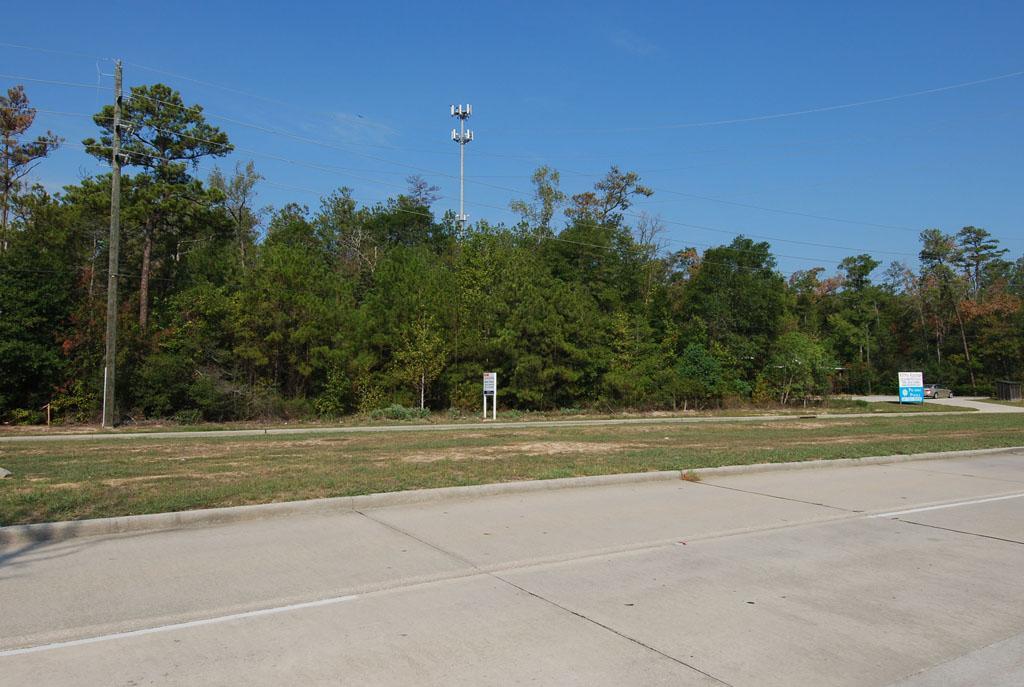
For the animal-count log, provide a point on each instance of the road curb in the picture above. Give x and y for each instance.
(20, 535)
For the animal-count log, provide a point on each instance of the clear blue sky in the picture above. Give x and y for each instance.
(581, 86)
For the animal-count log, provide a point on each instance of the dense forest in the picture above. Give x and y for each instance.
(231, 311)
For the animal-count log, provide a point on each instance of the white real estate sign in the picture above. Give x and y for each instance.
(911, 387)
(491, 390)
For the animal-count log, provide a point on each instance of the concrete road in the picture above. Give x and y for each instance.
(979, 403)
(906, 574)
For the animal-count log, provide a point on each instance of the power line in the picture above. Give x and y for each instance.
(794, 113)
(53, 52)
(335, 169)
(330, 168)
(326, 144)
(786, 212)
(697, 124)
(70, 84)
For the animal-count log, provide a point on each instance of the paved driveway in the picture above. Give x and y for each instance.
(874, 575)
(979, 403)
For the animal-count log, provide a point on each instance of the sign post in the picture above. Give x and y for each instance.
(491, 390)
(911, 387)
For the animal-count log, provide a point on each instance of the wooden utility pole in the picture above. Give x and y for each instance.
(109, 413)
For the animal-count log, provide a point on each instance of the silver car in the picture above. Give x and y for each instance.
(936, 391)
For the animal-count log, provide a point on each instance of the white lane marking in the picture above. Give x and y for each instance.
(179, 626)
(341, 599)
(893, 514)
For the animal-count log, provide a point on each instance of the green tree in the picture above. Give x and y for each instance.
(699, 376)
(17, 157)
(165, 138)
(39, 286)
(945, 289)
(977, 250)
(854, 320)
(547, 199)
(293, 314)
(798, 369)
(238, 199)
(737, 293)
(421, 356)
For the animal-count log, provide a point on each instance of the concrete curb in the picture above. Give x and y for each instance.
(16, 535)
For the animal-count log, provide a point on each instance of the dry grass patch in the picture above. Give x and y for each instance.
(74, 479)
(538, 448)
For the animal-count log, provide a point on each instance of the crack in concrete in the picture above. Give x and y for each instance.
(577, 614)
(957, 474)
(634, 640)
(970, 534)
(781, 498)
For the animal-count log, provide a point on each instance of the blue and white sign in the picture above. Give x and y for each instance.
(911, 387)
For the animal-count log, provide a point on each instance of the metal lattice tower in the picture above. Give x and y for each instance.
(462, 136)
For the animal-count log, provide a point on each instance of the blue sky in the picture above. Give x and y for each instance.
(580, 87)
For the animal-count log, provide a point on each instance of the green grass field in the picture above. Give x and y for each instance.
(98, 478)
(834, 406)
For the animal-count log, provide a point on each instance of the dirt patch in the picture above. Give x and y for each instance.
(874, 438)
(811, 424)
(121, 481)
(538, 448)
(184, 451)
(818, 425)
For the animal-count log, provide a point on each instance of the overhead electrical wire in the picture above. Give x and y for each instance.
(794, 113)
(335, 169)
(475, 180)
(504, 188)
(327, 144)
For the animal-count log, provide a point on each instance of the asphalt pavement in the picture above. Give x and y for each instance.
(903, 574)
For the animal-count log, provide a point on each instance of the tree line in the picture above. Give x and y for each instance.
(233, 311)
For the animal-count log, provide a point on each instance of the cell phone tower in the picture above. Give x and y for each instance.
(462, 136)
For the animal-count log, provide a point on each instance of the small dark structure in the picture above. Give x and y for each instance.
(1008, 391)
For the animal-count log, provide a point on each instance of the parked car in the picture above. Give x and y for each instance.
(936, 391)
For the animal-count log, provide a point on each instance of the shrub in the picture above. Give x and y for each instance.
(465, 396)
(163, 383)
(261, 402)
(75, 403)
(370, 394)
(798, 369)
(26, 416)
(188, 416)
(396, 411)
(214, 397)
(296, 408)
(336, 398)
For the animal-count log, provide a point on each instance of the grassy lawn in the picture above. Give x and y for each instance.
(73, 480)
(835, 406)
